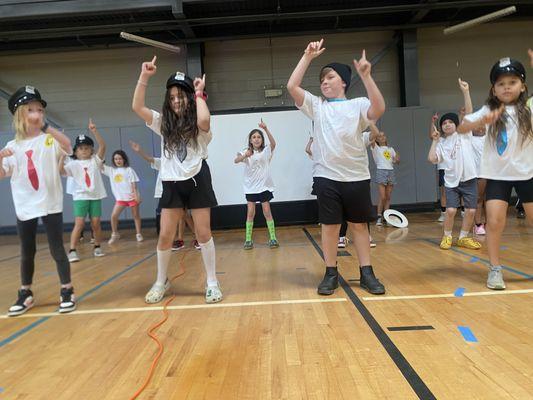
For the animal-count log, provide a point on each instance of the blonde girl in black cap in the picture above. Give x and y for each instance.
(32, 162)
(507, 160)
(85, 167)
(341, 178)
(184, 127)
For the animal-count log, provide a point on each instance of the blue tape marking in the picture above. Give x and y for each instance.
(467, 334)
(459, 292)
(513, 270)
(220, 272)
(35, 324)
(474, 259)
(503, 247)
(1, 389)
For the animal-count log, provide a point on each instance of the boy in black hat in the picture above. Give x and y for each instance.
(341, 178)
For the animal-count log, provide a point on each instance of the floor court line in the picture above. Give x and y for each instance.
(449, 295)
(182, 307)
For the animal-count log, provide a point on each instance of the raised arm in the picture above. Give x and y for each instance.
(4, 153)
(203, 116)
(271, 140)
(313, 50)
(377, 102)
(465, 88)
(99, 139)
(374, 132)
(61, 165)
(148, 69)
(432, 155)
(137, 149)
(62, 139)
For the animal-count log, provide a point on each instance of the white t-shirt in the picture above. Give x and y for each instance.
(35, 180)
(441, 165)
(339, 151)
(457, 156)
(87, 177)
(159, 183)
(70, 186)
(172, 169)
(516, 161)
(478, 142)
(121, 179)
(383, 156)
(257, 175)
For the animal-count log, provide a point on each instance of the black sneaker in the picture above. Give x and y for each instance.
(369, 281)
(23, 303)
(330, 281)
(67, 300)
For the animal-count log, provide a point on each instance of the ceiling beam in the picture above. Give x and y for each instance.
(420, 14)
(177, 11)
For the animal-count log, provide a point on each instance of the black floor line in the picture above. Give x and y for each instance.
(410, 328)
(414, 380)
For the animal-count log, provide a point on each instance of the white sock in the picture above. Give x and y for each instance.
(163, 259)
(463, 234)
(447, 233)
(209, 257)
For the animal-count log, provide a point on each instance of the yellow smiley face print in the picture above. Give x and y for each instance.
(49, 141)
(118, 178)
(387, 155)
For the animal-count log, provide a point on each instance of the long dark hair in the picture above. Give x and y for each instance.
(124, 156)
(179, 130)
(250, 145)
(522, 111)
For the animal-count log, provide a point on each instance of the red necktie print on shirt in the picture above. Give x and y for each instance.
(87, 178)
(32, 172)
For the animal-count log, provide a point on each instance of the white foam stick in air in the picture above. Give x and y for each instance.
(480, 20)
(150, 42)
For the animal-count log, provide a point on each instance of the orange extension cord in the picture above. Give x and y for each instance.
(157, 325)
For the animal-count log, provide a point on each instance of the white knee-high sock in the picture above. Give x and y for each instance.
(163, 259)
(209, 257)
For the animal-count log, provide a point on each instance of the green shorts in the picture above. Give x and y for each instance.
(91, 207)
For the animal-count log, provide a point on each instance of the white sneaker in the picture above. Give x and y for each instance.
(442, 216)
(114, 238)
(213, 294)
(92, 240)
(157, 292)
(495, 279)
(462, 214)
(342, 242)
(139, 237)
(97, 252)
(379, 222)
(73, 256)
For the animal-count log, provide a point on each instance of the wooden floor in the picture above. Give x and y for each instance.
(273, 337)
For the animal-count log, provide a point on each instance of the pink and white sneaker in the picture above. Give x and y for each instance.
(479, 229)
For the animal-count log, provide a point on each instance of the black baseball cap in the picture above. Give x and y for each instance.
(24, 95)
(507, 66)
(180, 79)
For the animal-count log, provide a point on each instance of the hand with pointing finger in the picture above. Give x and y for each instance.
(92, 126)
(149, 68)
(199, 84)
(363, 66)
(463, 86)
(262, 125)
(314, 49)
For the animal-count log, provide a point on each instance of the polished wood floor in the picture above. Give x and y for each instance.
(273, 337)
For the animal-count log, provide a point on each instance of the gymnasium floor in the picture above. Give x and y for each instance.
(273, 337)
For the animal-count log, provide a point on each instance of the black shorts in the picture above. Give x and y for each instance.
(501, 190)
(196, 192)
(441, 177)
(262, 197)
(343, 201)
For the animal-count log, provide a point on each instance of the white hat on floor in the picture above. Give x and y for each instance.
(395, 218)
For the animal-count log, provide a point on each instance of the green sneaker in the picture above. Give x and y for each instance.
(273, 244)
(249, 245)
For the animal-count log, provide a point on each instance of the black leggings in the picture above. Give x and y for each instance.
(27, 231)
